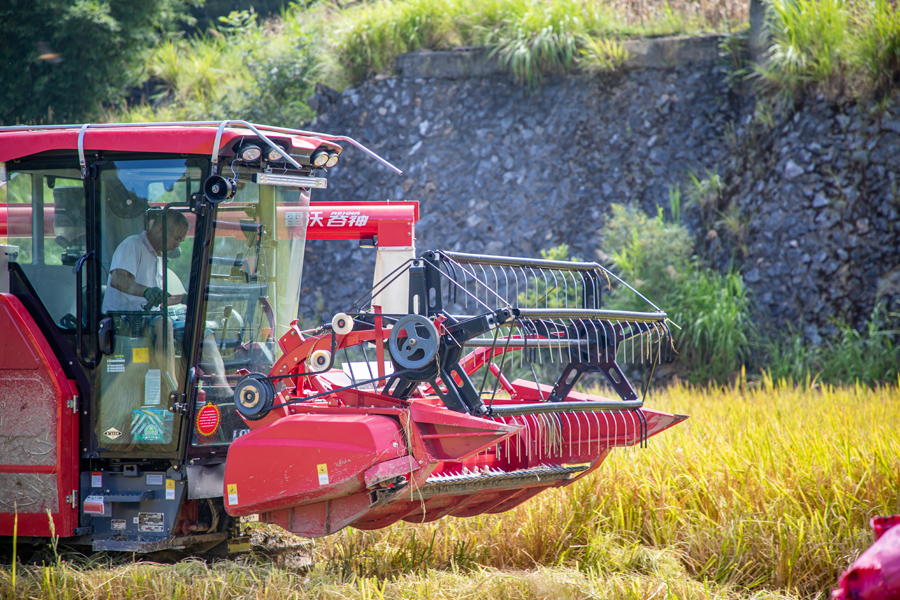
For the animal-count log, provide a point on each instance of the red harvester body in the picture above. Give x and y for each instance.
(145, 427)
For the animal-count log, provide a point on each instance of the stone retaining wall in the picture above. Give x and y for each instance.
(500, 170)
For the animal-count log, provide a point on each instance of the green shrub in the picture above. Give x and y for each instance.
(868, 356)
(710, 311)
(248, 72)
(650, 253)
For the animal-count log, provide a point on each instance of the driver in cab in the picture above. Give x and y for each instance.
(135, 285)
(136, 271)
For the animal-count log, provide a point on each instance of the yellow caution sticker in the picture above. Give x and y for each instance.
(323, 474)
(140, 355)
(170, 489)
(232, 494)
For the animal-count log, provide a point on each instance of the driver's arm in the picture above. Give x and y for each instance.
(124, 281)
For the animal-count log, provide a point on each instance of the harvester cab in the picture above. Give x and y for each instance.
(156, 382)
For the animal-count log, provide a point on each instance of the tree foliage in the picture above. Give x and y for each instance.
(62, 60)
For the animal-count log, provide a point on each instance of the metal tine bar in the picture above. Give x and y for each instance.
(496, 285)
(546, 287)
(509, 440)
(608, 315)
(643, 426)
(551, 435)
(506, 279)
(617, 335)
(560, 265)
(463, 288)
(597, 419)
(518, 438)
(555, 288)
(630, 330)
(520, 295)
(641, 341)
(559, 344)
(616, 428)
(560, 444)
(530, 439)
(596, 336)
(465, 283)
(556, 425)
(545, 440)
(640, 419)
(579, 298)
(633, 424)
(578, 419)
(605, 342)
(478, 282)
(577, 336)
(452, 292)
(569, 429)
(659, 339)
(606, 428)
(668, 341)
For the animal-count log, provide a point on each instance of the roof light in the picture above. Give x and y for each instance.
(275, 155)
(250, 152)
(319, 158)
(332, 160)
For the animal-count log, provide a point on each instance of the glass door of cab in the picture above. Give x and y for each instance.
(144, 249)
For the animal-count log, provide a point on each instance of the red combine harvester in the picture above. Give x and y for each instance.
(156, 383)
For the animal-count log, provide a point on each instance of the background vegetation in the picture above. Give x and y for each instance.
(62, 60)
(765, 492)
(717, 335)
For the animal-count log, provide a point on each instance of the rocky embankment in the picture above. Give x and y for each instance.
(811, 200)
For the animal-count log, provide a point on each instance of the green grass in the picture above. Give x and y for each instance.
(846, 48)
(765, 492)
(264, 71)
(868, 355)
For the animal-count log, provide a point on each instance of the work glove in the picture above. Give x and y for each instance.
(154, 297)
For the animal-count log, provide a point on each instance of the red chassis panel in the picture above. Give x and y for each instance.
(38, 431)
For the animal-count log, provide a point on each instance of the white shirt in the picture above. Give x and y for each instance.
(136, 256)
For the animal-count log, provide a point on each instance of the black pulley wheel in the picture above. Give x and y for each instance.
(419, 346)
(254, 396)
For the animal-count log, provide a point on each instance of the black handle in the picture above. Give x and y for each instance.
(79, 314)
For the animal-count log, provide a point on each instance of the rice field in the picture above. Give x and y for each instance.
(765, 492)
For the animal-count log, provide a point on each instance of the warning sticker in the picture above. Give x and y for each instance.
(115, 363)
(323, 474)
(208, 419)
(96, 480)
(151, 522)
(140, 355)
(118, 524)
(232, 493)
(152, 384)
(170, 489)
(94, 505)
(112, 433)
